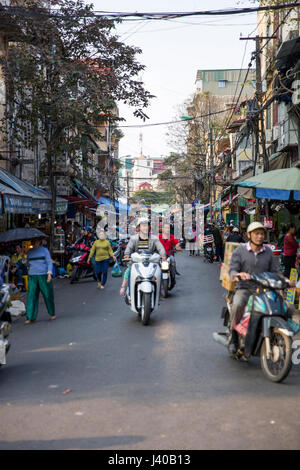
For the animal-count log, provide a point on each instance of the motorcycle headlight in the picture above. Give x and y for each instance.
(76, 260)
(165, 265)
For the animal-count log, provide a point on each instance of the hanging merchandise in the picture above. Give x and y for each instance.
(250, 210)
(277, 207)
(268, 223)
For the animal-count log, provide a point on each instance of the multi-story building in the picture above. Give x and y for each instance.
(225, 83)
(280, 68)
(140, 173)
(217, 102)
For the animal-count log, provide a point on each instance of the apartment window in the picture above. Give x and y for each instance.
(222, 83)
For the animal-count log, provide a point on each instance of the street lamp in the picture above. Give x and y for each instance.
(186, 118)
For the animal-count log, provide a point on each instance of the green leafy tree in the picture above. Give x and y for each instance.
(64, 74)
(153, 197)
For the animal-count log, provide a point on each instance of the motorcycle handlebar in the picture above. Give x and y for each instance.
(255, 281)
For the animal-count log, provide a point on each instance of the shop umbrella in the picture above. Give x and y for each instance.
(21, 234)
(276, 184)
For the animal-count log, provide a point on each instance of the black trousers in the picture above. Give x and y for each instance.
(219, 251)
(289, 263)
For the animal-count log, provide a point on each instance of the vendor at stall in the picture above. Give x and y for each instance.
(18, 266)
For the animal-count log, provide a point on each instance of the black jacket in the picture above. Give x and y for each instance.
(235, 238)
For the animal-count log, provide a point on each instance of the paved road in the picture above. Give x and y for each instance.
(164, 386)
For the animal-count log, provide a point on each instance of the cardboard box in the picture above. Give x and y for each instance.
(16, 296)
(229, 249)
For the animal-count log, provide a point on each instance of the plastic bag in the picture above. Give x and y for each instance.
(116, 271)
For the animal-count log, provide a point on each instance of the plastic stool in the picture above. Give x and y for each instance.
(25, 278)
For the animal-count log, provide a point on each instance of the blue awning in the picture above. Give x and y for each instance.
(20, 197)
(117, 204)
(297, 195)
(277, 194)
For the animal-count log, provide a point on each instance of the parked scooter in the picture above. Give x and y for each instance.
(208, 248)
(265, 329)
(5, 323)
(143, 291)
(80, 266)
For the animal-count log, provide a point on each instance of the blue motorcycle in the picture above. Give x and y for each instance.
(265, 329)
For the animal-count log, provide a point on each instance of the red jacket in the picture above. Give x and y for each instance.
(290, 246)
(168, 243)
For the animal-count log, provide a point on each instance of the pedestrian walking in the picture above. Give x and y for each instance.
(191, 240)
(103, 252)
(218, 243)
(40, 268)
(290, 248)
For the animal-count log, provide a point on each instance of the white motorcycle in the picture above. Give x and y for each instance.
(143, 291)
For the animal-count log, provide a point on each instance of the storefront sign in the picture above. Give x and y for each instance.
(61, 207)
(290, 295)
(17, 204)
(41, 206)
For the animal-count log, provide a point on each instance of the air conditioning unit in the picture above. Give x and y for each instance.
(275, 132)
(296, 94)
(293, 34)
(268, 136)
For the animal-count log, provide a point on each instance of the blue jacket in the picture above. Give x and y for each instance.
(39, 261)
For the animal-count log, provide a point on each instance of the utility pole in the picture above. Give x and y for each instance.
(260, 138)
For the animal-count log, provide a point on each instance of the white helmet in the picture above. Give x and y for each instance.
(142, 220)
(254, 226)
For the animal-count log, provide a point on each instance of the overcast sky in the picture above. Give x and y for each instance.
(173, 51)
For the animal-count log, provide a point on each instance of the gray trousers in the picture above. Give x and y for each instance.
(239, 303)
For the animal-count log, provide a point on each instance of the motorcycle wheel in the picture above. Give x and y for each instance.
(146, 308)
(277, 368)
(165, 286)
(74, 275)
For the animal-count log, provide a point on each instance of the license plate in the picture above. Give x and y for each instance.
(2, 353)
(209, 249)
(165, 275)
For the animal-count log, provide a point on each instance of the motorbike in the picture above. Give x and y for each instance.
(5, 323)
(168, 277)
(118, 249)
(123, 244)
(265, 329)
(143, 290)
(80, 266)
(182, 242)
(208, 249)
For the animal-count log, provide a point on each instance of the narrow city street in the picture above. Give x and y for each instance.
(97, 379)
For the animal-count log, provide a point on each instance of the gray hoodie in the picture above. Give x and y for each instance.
(154, 245)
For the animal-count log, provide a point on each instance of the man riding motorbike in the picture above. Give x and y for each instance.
(88, 237)
(170, 243)
(141, 241)
(250, 258)
(235, 236)
(144, 241)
